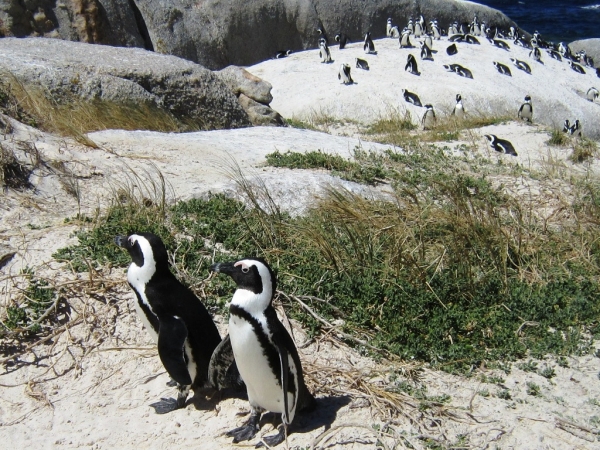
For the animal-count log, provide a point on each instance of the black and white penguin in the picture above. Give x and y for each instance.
(451, 67)
(526, 110)
(342, 39)
(435, 30)
(344, 74)
(536, 54)
(563, 49)
(504, 70)
(410, 97)
(576, 67)
(512, 33)
(457, 38)
(388, 27)
(411, 65)
(453, 29)
(411, 26)
(264, 351)
(405, 39)
(429, 119)
(369, 47)
(576, 129)
(501, 145)
(428, 41)
(521, 65)
(362, 64)
(426, 52)
(592, 94)
(451, 50)
(471, 40)
(463, 72)
(185, 333)
(500, 44)
(522, 42)
(395, 32)
(418, 29)
(566, 126)
(459, 110)
(554, 54)
(322, 35)
(324, 52)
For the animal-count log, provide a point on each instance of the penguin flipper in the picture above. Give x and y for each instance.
(172, 334)
(285, 370)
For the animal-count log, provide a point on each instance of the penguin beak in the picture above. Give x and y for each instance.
(226, 268)
(122, 241)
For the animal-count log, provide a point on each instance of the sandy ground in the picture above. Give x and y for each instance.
(91, 385)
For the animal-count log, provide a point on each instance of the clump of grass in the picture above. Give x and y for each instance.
(558, 138)
(533, 389)
(583, 150)
(547, 372)
(529, 366)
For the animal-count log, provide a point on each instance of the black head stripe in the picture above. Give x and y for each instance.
(136, 254)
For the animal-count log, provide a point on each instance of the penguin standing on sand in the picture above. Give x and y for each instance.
(405, 39)
(369, 47)
(501, 145)
(175, 318)
(324, 52)
(344, 74)
(388, 27)
(592, 94)
(426, 52)
(459, 110)
(429, 119)
(264, 351)
(411, 65)
(526, 110)
(342, 39)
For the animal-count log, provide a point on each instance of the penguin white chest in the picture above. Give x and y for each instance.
(264, 389)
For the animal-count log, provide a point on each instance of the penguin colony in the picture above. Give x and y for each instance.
(423, 35)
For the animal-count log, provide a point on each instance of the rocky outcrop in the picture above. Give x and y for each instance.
(123, 75)
(254, 94)
(218, 33)
(591, 47)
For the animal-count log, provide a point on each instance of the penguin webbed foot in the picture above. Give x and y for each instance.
(171, 382)
(246, 431)
(273, 440)
(166, 405)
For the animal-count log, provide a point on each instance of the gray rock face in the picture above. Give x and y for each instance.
(123, 75)
(260, 114)
(218, 33)
(591, 47)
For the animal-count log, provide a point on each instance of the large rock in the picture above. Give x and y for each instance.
(123, 75)
(591, 47)
(218, 33)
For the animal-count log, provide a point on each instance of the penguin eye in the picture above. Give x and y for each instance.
(245, 269)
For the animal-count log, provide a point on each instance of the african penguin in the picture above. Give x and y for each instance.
(453, 29)
(435, 30)
(471, 40)
(526, 110)
(504, 70)
(500, 44)
(324, 52)
(428, 120)
(388, 27)
(463, 72)
(428, 41)
(426, 52)
(459, 110)
(322, 35)
(457, 38)
(576, 67)
(395, 32)
(409, 97)
(501, 145)
(566, 126)
(592, 94)
(522, 65)
(411, 65)
(344, 74)
(362, 64)
(283, 53)
(342, 39)
(452, 50)
(410, 26)
(405, 39)
(185, 333)
(418, 31)
(264, 351)
(368, 46)
(576, 129)
(554, 54)
(536, 54)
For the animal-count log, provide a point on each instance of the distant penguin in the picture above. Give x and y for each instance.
(368, 46)
(522, 65)
(428, 120)
(576, 67)
(512, 33)
(435, 31)
(554, 54)
(522, 42)
(395, 32)
(324, 52)
(283, 54)
(411, 26)
(344, 74)
(264, 351)
(418, 29)
(185, 334)
(566, 126)
(504, 70)
(410, 97)
(457, 38)
(428, 41)
(592, 94)
(576, 129)
(451, 67)
(536, 54)
(323, 35)
(405, 39)
(471, 40)
(563, 49)
(526, 110)
(362, 64)
(388, 27)
(452, 50)
(500, 44)
(411, 65)
(463, 72)
(342, 39)
(501, 145)
(453, 29)
(426, 52)
(459, 110)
